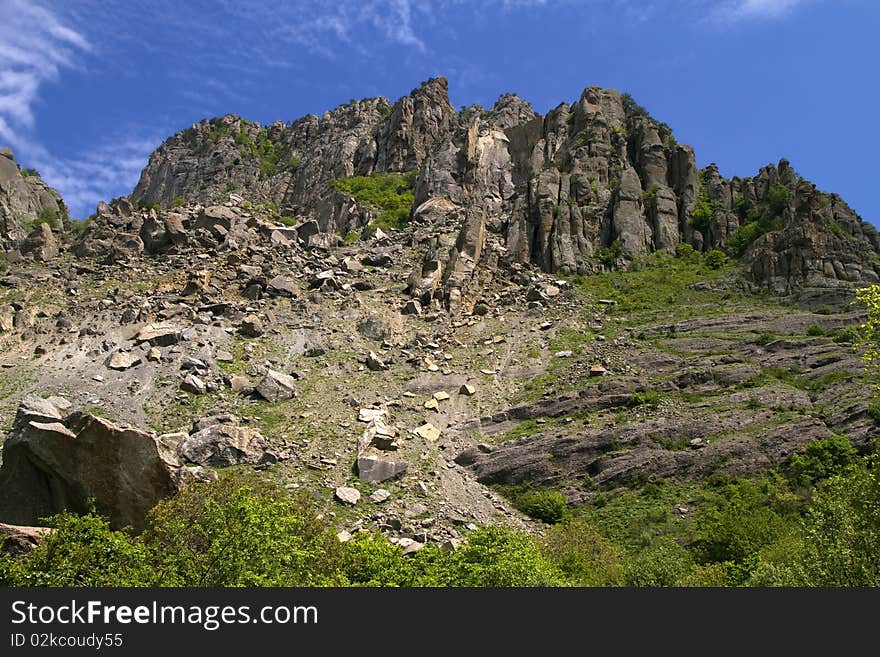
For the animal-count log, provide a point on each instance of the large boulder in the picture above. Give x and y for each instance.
(223, 444)
(52, 464)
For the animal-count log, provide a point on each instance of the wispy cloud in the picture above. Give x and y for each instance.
(739, 10)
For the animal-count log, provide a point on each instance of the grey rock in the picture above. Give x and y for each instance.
(276, 386)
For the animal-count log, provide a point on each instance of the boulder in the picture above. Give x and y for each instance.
(276, 386)
(347, 495)
(251, 327)
(373, 468)
(52, 464)
(224, 444)
(123, 360)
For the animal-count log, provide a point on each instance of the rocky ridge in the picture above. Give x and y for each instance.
(526, 325)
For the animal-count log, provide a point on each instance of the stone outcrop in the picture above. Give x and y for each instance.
(506, 186)
(53, 463)
(25, 200)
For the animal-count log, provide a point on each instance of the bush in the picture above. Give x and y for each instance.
(494, 557)
(702, 213)
(842, 531)
(715, 259)
(371, 560)
(29, 172)
(584, 556)
(663, 562)
(821, 459)
(544, 505)
(744, 235)
(351, 237)
(816, 331)
(83, 551)
(178, 202)
(685, 251)
(647, 398)
(238, 532)
(777, 199)
(608, 255)
(391, 195)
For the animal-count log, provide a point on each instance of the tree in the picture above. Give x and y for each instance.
(870, 296)
(82, 551)
(239, 532)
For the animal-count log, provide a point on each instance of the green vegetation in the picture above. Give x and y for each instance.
(647, 398)
(765, 218)
(818, 524)
(390, 194)
(870, 297)
(545, 505)
(659, 287)
(608, 255)
(29, 172)
(715, 259)
(178, 202)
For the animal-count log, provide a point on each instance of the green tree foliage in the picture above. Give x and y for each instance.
(82, 551)
(842, 530)
(870, 297)
(746, 518)
(389, 194)
(239, 533)
(583, 555)
(821, 459)
(715, 259)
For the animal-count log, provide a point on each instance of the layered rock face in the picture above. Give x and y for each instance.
(25, 200)
(54, 462)
(565, 192)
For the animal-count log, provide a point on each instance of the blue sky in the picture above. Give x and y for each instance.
(88, 88)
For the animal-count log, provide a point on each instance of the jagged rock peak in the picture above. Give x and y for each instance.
(26, 202)
(559, 191)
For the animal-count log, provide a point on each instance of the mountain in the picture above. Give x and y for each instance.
(553, 190)
(433, 320)
(25, 202)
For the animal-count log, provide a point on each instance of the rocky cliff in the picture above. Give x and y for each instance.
(591, 184)
(25, 202)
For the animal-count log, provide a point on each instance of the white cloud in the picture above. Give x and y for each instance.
(738, 10)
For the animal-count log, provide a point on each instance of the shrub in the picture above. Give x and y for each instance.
(29, 172)
(287, 220)
(494, 557)
(715, 259)
(83, 551)
(583, 555)
(821, 459)
(544, 505)
(702, 213)
(744, 235)
(777, 199)
(391, 195)
(663, 562)
(842, 531)
(371, 560)
(816, 331)
(608, 255)
(647, 398)
(685, 251)
(352, 236)
(178, 202)
(238, 532)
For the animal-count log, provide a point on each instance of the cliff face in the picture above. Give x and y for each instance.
(25, 201)
(597, 177)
